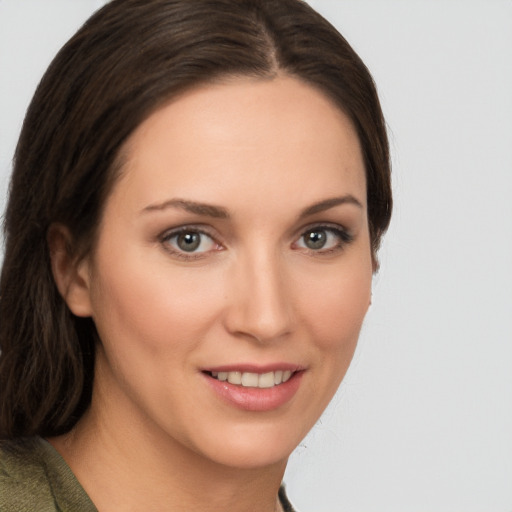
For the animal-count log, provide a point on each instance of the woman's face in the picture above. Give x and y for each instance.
(233, 251)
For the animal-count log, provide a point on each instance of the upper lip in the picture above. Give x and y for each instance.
(255, 368)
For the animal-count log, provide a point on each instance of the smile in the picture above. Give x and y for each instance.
(254, 380)
(255, 389)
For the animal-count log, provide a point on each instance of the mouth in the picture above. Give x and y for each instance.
(253, 380)
(255, 389)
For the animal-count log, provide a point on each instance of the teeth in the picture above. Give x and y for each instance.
(234, 377)
(250, 380)
(254, 380)
(266, 380)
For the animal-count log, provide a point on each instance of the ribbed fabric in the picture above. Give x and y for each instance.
(35, 478)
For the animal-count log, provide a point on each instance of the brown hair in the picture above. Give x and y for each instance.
(129, 58)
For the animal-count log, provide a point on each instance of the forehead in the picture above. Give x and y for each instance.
(257, 138)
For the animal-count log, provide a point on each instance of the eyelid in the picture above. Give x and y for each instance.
(197, 228)
(332, 226)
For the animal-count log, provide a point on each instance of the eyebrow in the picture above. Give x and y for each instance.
(207, 210)
(219, 212)
(327, 204)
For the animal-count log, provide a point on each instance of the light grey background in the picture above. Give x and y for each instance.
(423, 421)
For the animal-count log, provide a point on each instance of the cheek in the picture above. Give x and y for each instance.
(152, 308)
(336, 309)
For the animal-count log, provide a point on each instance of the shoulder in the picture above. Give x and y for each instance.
(23, 480)
(33, 476)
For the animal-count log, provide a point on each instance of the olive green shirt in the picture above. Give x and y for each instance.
(35, 478)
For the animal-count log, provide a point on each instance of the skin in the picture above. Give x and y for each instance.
(156, 437)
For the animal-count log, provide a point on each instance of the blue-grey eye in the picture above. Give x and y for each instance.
(188, 242)
(317, 239)
(191, 241)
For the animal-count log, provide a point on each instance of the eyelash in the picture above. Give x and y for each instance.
(344, 238)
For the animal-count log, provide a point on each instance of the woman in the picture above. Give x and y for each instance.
(199, 192)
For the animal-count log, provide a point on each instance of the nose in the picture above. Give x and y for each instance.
(260, 301)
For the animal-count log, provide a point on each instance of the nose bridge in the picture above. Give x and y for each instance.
(260, 306)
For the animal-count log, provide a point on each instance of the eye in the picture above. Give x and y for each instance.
(323, 239)
(189, 241)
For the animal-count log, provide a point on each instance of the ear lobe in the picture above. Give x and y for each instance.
(71, 276)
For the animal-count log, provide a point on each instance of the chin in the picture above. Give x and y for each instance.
(251, 447)
(252, 455)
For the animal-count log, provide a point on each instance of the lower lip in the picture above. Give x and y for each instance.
(256, 399)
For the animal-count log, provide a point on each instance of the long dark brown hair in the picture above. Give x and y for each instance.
(127, 60)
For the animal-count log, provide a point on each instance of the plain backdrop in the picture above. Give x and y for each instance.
(423, 420)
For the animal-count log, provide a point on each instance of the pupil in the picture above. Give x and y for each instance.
(189, 241)
(315, 239)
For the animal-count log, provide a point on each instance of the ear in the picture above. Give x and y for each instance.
(71, 276)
